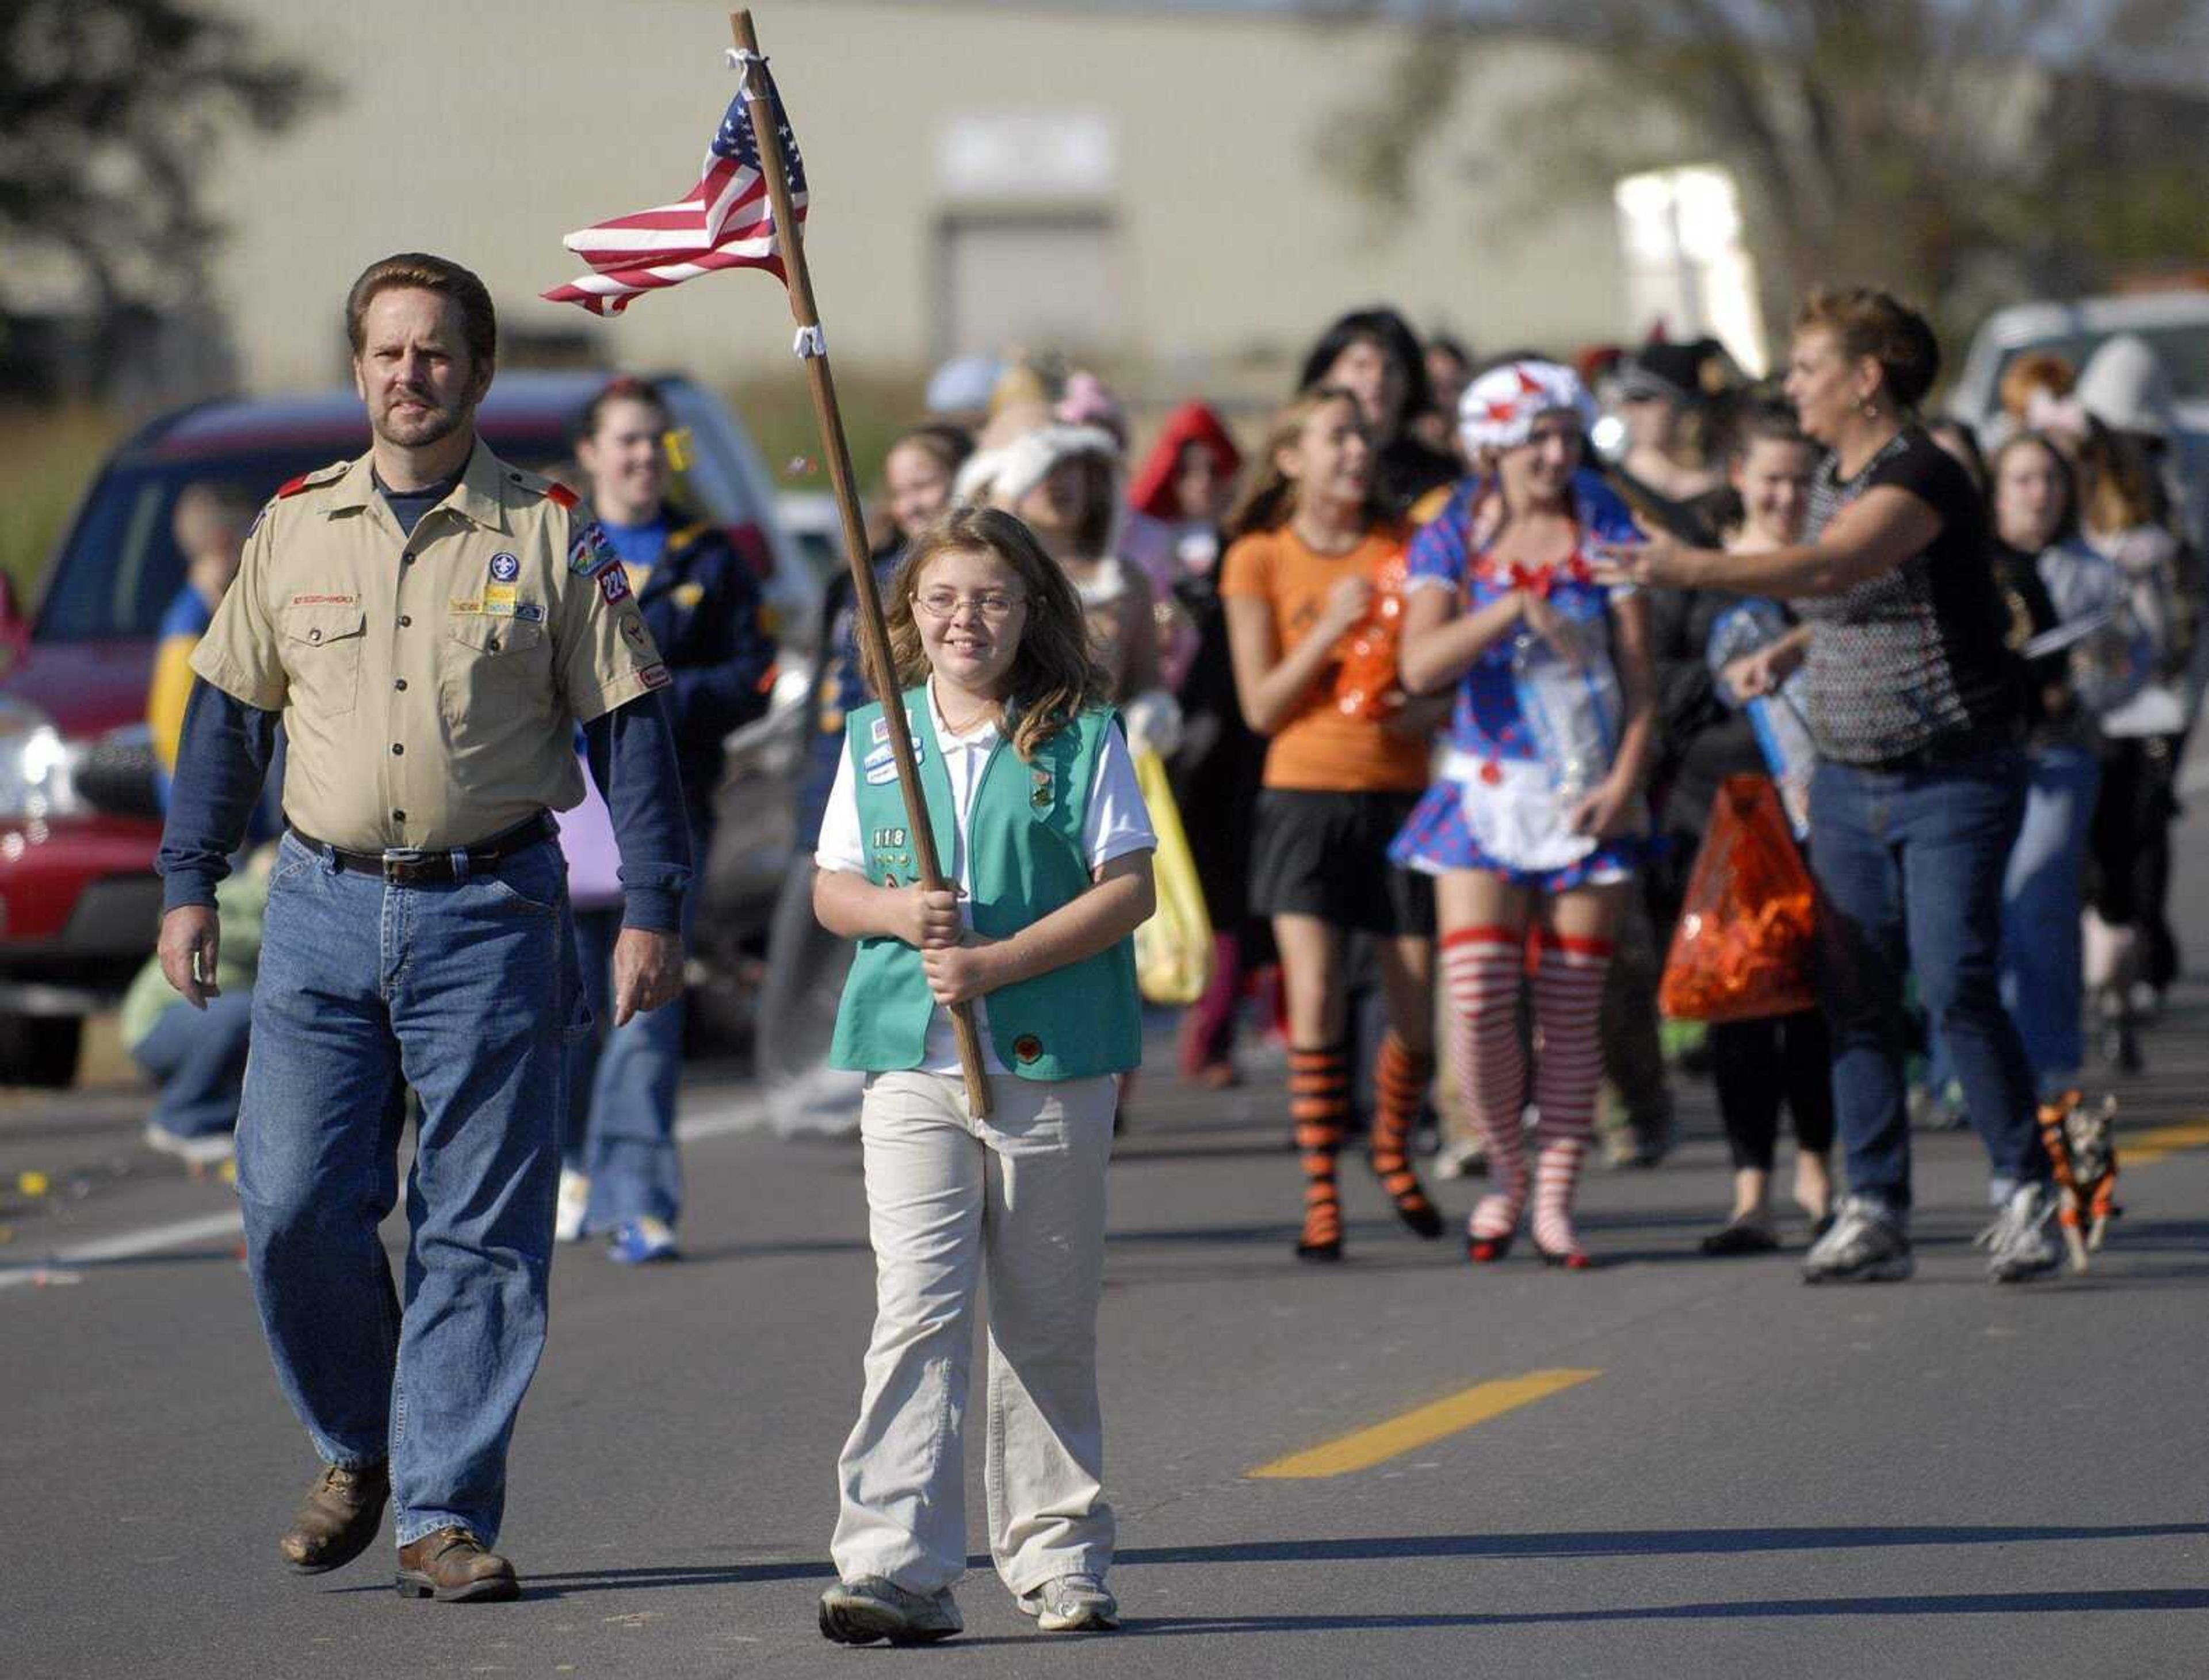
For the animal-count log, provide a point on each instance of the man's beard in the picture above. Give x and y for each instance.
(433, 426)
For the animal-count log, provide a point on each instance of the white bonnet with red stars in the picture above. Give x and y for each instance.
(1498, 410)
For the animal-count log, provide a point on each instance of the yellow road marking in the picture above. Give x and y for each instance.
(2139, 1148)
(1366, 1447)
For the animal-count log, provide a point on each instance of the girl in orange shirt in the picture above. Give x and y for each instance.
(1343, 771)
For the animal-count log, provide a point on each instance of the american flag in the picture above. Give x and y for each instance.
(725, 221)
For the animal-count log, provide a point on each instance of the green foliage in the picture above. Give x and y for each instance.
(110, 113)
(47, 458)
(877, 406)
(1960, 151)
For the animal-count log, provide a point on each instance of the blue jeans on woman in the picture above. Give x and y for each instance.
(198, 1059)
(465, 991)
(2042, 963)
(620, 1129)
(1908, 865)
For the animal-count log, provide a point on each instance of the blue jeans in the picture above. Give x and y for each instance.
(199, 1062)
(2042, 963)
(621, 1082)
(464, 991)
(1909, 864)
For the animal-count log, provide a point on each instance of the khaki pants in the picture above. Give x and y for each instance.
(1019, 1196)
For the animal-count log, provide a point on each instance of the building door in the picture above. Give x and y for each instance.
(1030, 278)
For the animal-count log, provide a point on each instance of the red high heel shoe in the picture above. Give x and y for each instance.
(1574, 1259)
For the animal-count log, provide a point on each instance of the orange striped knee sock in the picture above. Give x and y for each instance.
(1319, 1100)
(1399, 1085)
(1567, 1000)
(1481, 972)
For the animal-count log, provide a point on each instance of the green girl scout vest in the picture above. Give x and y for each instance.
(1023, 839)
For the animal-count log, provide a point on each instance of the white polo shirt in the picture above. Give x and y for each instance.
(1114, 823)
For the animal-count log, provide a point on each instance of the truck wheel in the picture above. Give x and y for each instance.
(39, 1049)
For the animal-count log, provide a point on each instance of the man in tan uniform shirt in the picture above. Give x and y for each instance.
(430, 625)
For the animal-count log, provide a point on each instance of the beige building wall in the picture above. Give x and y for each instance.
(487, 129)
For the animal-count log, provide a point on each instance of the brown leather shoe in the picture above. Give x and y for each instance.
(341, 1514)
(453, 1567)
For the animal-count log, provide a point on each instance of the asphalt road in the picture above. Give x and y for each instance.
(1687, 1466)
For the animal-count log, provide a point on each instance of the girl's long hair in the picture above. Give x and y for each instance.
(1054, 672)
(2067, 527)
(1269, 498)
(1758, 415)
(2121, 488)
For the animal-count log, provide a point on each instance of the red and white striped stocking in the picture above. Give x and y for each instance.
(1569, 982)
(1482, 968)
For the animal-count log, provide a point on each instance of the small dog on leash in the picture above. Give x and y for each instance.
(2081, 1138)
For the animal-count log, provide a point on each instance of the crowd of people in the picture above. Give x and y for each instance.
(1335, 633)
(1449, 695)
(1456, 694)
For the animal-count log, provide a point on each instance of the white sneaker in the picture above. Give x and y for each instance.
(2018, 1244)
(861, 1612)
(204, 1151)
(1461, 1158)
(574, 1202)
(1865, 1243)
(1075, 1604)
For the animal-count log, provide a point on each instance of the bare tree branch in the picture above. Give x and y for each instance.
(1954, 150)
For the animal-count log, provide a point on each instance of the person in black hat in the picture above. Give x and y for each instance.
(1667, 393)
(1373, 353)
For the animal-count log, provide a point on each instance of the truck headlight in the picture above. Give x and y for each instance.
(38, 766)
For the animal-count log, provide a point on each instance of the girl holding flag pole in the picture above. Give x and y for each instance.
(1033, 794)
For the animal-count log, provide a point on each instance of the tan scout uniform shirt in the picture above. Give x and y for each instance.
(429, 686)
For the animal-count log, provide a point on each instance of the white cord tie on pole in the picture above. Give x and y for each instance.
(811, 341)
(741, 61)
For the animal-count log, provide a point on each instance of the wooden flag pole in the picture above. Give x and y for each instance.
(874, 631)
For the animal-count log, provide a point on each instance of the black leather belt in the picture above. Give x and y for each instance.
(413, 866)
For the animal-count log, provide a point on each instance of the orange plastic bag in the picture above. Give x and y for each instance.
(1745, 944)
(1365, 683)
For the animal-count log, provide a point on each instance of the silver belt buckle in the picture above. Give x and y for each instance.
(400, 861)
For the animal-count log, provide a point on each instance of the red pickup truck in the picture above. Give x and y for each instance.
(79, 819)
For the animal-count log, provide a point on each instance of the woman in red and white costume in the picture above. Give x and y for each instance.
(1524, 839)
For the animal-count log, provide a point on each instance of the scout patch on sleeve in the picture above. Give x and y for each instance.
(654, 676)
(591, 549)
(613, 584)
(632, 631)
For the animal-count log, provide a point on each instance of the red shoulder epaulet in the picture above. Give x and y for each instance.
(560, 494)
(293, 487)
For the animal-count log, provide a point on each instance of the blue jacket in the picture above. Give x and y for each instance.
(702, 604)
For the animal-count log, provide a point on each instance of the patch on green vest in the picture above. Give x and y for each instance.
(879, 766)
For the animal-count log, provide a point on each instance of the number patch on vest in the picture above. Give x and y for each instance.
(890, 839)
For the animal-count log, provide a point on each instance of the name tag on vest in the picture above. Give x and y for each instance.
(880, 765)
